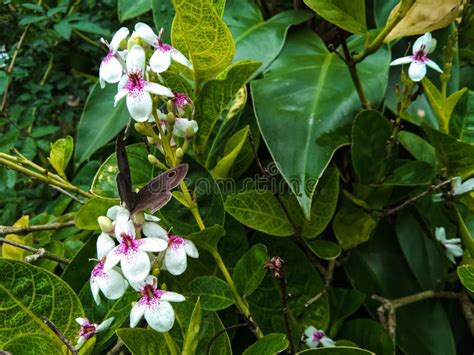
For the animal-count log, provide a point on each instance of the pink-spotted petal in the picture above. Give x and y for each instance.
(191, 249)
(110, 69)
(113, 286)
(433, 65)
(104, 245)
(160, 61)
(422, 43)
(417, 71)
(154, 230)
(179, 57)
(158, 89)
(82, 321)
(136, 314)
(175, 259)
(139, 105)
(160, 316)
(146, 33)
(136, 266)
(119, 96)
(113, 258)
(402, 60)
(136, 59)
(153, 245)
(118, 37)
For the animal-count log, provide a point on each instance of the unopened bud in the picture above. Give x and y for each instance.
(179, 153)
(141, 128)
(153, 160)
(138, 218)
(170, 118)
(150, 140)
(190, 131)
(170, 106)
(105, 224)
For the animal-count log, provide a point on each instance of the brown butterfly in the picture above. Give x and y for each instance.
(153, 195)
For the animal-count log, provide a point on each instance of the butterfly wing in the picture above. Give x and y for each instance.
(158, 191)
(124, 179)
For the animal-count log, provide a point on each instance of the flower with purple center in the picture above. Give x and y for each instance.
(452, 246)
(111, 69)
(136, 89)
(419, 60)
(154, 305)
(164, 53)
(88, 329)
(314, 337)
(176, 254)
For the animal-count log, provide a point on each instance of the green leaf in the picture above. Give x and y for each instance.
(214, 293)
(55, 247)
(295, 107)
(462, 120)
(323, 249)
(259, 210)
(12, 252)
(255, 38)
(338, 350)
(465, 222)
(208, 238)
(60, 154)
(344, 302)
(163, 13)
(419, 148)
(413, 173)
(346, 14)
(231, 151)
(100, 121)
(78, 272)
(370, 135)
(127, 9)
(28, 293)
(86, 217)
(104, 184)
(215, 96)
(191, 339)
(249, 271)
(268, 345)
(64, 29)
(369, 335)
(143, 341)
(352, 227)
(466, 275)
(456, 156)
(207, 38)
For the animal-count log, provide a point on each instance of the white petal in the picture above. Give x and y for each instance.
(152, 244)
(118, 37)
(101, 82)
(456, 184)
(136, 314)
(154, 230)
(181, 125)
(136, 59)
(113, 286)
(178, 57)
(158, 89)
(105, 324)
(440, 234)
(137, 286)
(110, 70)
(114, 210)
(124, 226)
(175, 260)
(433, 65)
(191, 249)
(136, 266)
(309, 331)
(172, 297)
(453, 241)
(311, 342)
(95, 290)
(82, 321)
(80, 342)
(139, 105)
(160, 317)
(454, 250)
(417, 71)
(146, 33)
(160, 61)
(119, 96)
(104, 245)
(327, 342)
(150, 217)
(113, 258)
(424, 41)
(402, 60)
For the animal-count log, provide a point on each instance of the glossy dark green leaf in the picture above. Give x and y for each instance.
(418, 147)
(370, 135)
(78, 272)
(344, 302)
(462, 119)
(127, 9)
(249, 271)
(100, 121)
(294, 105)
(352, 226)
(208, 238)
(163, 13)
(191, 340)
(413, 173)
(324, 249)
(346, 14)
(268, 345)
(143, 341)
(214, 293)
(338, 350)
(259, 210)
(466, 275)
(86, 217)
(369, 335)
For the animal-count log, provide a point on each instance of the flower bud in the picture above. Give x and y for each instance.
(105, 224)
(153, 160)
(141, 128)
(150, 140)
(170, 118)
(179, 153)
(139, 218)
(170, 106)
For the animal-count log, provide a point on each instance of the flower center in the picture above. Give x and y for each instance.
(174, 241)
(420, 55)
(164, 47)
(128, 244)
(181, 99)
(87, 330)
(98, 270)
(151, 294)
(135, 83)
(318, 335)
(108, 57)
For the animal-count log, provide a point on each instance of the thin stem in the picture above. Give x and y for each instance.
(68, 194)
(328, 279)
(378, 41)
(170, 342)
(45, 254)
(192, 205)
(215, 336)
(61, 337)
(284, 301)
(87, 39)
(34, 228)
(467, 310)
(118, 345)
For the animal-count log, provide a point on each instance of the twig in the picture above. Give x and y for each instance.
(328, 279)
(33, 257)
(34, 228)
(215, 336)
(412, 200)
(467, 310)
(118, 345)
(68, 194)
(46, 254)
(60, 335)
(277, 266)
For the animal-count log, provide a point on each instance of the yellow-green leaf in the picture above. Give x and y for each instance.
(191, 340)
(231, 152)
(60, 154)
(207, 38)
(11, 252)
(352, 227)
(466, 275)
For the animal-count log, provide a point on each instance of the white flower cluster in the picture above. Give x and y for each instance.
(136, 255)
(3, 56)
(138, 81)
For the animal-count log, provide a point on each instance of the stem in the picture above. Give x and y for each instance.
(378, 41)
(215, 336)
(192, 205)
(35, 228)
(45, 254)
(284, 301)
(328, 279)
(170, 343)
(87, 39)
(467, 310)
(61, 337)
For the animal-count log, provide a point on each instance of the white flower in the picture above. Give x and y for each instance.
(419, 60)
(131, 252)
(111, 70)
(460, 187)
(164, 53)
(136, 89)
(181, 127)
(451, 246)
(314, 337)
(176, 254)
(88, 329)
(154, 305)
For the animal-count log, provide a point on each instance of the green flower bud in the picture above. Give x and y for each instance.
(170, 118)
(105, 224)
